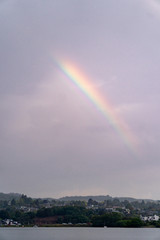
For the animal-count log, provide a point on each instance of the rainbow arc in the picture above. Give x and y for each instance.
(83, 83)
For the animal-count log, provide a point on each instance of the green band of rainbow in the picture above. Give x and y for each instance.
(83, 83)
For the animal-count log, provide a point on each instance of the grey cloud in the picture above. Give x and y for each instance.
(54, 141)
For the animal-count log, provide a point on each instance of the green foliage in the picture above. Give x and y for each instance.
(109, 220)
(76, 211)
(67, 214)
(13, 202)
(122, 223)
(116, 220)
(24, 200)
(4, 214)
(157, 224)
(134, 222)
(9, 196)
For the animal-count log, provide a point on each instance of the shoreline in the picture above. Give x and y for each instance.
(71, 226)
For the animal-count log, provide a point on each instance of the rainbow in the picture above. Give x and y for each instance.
(84, 84)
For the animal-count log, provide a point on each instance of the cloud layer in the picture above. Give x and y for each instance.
(54, 142)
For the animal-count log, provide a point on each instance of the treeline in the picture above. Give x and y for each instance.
(135, 207)
(116, 220)
(70, 214)
(17, 215)
(66, 214)
(23, 200)
(59, 215)
(111, 212)
(9, 196)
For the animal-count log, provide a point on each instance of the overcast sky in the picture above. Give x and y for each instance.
(53, 140)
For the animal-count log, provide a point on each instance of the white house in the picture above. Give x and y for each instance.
(150, 218)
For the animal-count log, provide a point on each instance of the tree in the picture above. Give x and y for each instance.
(109, 220)
(13, 202)
(4, 214)
(135, 222)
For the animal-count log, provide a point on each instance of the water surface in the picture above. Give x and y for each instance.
(79, 234)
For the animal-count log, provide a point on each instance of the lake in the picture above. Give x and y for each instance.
(79, 234)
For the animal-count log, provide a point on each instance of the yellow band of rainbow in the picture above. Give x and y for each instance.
(83, 83)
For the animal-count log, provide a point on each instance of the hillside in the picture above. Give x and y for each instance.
(9, 196)
(101, 198)
(98, 198)
(85, 198)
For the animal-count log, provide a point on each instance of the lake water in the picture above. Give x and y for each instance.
(79, 234)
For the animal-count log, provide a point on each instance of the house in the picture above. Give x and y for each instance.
(150, 218)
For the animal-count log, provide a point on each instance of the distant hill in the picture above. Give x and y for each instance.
(129, 199)
(86, 198)
(101, 198)
(9, 196)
